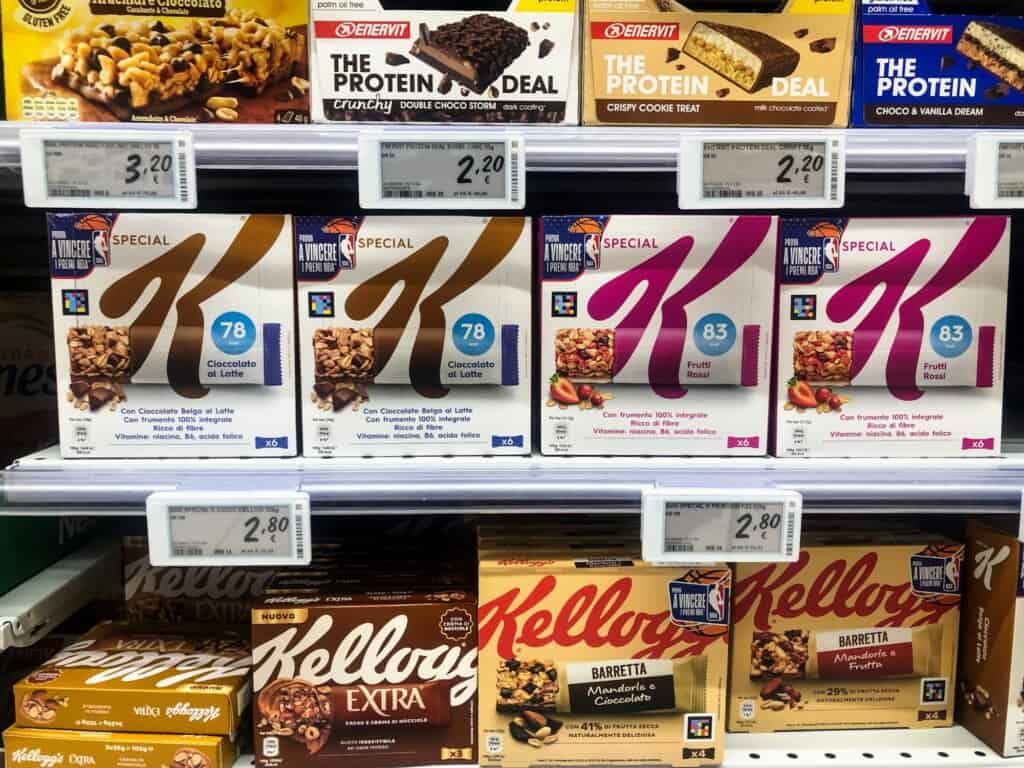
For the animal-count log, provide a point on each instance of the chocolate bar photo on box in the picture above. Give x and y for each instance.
(997, 48)
(746, 57)
(474, 51)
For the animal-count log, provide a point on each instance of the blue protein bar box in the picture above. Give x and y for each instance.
(939, 63)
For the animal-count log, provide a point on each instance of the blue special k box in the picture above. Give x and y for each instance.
(860, 632)
(891, 336)
(174, 334)
(655, 334)
(592, 656)
(917, 66)
(414, 335)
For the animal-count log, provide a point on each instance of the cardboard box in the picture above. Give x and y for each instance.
(991, 700)
(581, 652)
(860, 632)
(153, 61)
(497, 61)
(201, 366)
(34, 747)
(672, 62)
(921, 62)
(683, 368)
(440, 368)
(146, 679)
(914, 370)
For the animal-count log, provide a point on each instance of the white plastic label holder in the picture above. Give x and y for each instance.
(995, 170)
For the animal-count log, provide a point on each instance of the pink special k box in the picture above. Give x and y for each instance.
(655, 334)
(890, 336)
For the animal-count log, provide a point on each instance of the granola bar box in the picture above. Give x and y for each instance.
(381, 677)
(990, 701)
(477, 61)
(655, 334)
(145, 679)
(891, 336)
(156, 61)
(860, 632)
(47, 748)
(414, 335)
(595, 658)
(174, 334)
(708, 62)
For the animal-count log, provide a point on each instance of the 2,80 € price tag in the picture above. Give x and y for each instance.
(693, 525)
(112, 169)
(228, 528)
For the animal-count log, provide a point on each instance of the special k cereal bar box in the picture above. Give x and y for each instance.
(655, 334)
(860, 632)
(588, 657)
(414, 334)
(174, 334)
(890, 336)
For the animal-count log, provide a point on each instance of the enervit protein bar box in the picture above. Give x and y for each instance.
(44, 748)
(173, 334)
(488, 61)
(655, 334)
(780, 62)
(860, 632)
(382, 678)
(439, 367)
(990, 703)
(931, 63)
(124, 677)
(156, 61)
(891, 336)
(588, 657)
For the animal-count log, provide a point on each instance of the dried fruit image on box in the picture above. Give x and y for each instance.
(825, 356)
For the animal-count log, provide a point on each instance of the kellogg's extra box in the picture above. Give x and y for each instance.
(174, 334)
(891, 336)
(860, 632)
(439, 367)
(655, 334)
(590, 658)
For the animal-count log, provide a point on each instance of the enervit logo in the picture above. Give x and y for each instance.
(618, 30)
(904, 33)
(364, 30)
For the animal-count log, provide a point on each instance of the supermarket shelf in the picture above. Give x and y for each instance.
(30, 610)
(548, 148)
(43, 483)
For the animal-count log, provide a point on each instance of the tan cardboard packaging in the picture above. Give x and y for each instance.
(991, 689)
(46, 748)
(123, 677)
(860, 632)
(590, 658)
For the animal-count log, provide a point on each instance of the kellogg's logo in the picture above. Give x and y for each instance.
(619, 30)
(36, 756)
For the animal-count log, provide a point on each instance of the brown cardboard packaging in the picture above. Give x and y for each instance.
(594, 658)
(147, 679)
(990, 703)
(683, 62)
(381, 678)
(860, 632)
(46, 748)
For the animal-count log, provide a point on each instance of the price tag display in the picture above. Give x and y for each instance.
(228, 528)
(101, 168)
(995, 170)
(709, 525)
(457, 171)
(762, 171)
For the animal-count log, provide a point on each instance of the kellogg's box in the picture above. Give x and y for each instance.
(891, 336)
(860, 632)
(655, 334)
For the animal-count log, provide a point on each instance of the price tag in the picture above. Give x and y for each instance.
(762, 171)
(995, 170)
(461, 170)
(709, 525)
(100, 168)
(228, 528)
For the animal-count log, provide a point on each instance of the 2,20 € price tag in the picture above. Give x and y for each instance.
(692, 525)
(430, 170)
(111, 169)
(762, 171)
(228, 528)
